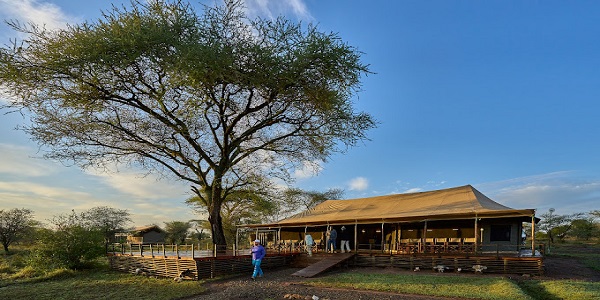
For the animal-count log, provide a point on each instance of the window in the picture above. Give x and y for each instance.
(500, 233)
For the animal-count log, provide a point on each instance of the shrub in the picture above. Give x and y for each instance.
(72, 244)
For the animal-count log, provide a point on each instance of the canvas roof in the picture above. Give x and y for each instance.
(453, 203)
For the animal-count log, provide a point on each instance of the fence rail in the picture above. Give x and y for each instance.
(172, 250)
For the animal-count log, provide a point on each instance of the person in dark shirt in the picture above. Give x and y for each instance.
(345, 238)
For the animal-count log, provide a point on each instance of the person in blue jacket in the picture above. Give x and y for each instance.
(258, 253)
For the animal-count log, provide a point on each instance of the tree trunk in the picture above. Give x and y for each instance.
(216, 224)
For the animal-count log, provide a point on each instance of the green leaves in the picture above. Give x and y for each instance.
(214, 99)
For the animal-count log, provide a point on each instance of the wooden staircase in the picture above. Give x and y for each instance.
(324, 264)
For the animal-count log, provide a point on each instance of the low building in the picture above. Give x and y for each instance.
(151, 234)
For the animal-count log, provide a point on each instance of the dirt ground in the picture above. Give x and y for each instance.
(279, 284)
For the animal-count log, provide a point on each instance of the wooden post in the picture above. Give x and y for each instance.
(151, 251)
(355, 236)
(177, 251)
(192, 250)
(237, 236)
(424, 240)
(476, 243)
(141, 250)
(164, 250)
(382, 238)
(279, 240)
(533, 234)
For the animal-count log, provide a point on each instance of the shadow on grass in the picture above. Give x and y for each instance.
(535, 290)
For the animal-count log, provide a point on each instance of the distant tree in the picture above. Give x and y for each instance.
(200, 229)
(71, 243)
(212, 99)
(557, 226)
(295, 200)
(177, 231)
(107, 219)
(14, 225)
(583, 228)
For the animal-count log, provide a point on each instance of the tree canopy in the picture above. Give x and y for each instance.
(214, 99)
(14, 225)
(177, 231)
(108, 220)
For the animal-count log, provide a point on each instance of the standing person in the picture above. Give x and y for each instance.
(258, 252)
(327, 239)
(345, 237)
(332, 239)
(308, 241)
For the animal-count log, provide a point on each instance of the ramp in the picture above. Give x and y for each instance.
(324, 265)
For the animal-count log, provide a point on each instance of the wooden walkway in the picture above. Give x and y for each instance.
(324, 265)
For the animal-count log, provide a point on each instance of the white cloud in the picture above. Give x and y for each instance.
(19, 161)
(358, 184)
(274, 8)
(566, 191)
(149, 187)
(34, 11)
(50, 189)
(412, 190)
(309, 169)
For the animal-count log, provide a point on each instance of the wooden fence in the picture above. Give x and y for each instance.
(505, 265)
(191, 268)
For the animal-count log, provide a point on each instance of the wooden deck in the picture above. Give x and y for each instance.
(323, 265)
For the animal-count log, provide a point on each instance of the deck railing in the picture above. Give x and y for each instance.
(196, 250)
(173, 250)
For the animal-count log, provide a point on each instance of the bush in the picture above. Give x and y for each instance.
(72, 245)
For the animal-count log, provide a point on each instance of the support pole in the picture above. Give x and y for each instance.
(424, 241)
(356, 236)
(533, 234)
(279, 240)
(476, 242)
(382, 238)
(237, 237)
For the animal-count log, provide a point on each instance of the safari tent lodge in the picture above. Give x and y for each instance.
(448, 221)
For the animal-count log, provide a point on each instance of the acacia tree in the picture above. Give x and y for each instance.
(108, 220)
(557, 226)
(213, 99)
(14, 225)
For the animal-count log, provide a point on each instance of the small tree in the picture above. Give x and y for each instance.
(177, 231)
(14, 225)
(201, 229)
(71, 243)
(583, 228)
(557, 226)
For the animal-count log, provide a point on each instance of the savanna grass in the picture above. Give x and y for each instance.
(432, 285)
(95, 284)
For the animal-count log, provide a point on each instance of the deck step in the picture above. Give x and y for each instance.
(323, 265)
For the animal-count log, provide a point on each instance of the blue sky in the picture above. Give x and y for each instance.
(502, 95)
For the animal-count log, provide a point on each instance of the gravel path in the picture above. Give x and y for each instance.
(279, 284)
